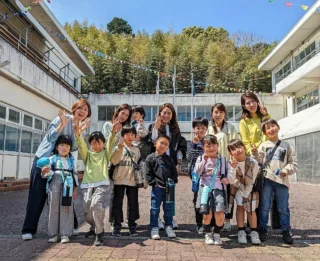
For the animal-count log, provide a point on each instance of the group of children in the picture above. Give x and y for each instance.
(122, 152)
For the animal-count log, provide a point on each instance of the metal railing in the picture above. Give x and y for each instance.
(299, 64)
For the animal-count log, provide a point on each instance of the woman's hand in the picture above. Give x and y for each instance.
(63, 118)
(158, 123)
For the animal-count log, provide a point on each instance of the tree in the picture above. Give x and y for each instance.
(119, 26)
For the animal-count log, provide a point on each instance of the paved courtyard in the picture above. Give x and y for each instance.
(189, 245)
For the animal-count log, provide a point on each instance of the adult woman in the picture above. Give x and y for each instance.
(224, 132)
(122, 115)
(61, 125)
(166, 123)
(253, 114)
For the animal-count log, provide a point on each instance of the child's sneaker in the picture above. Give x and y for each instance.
(90, 233)
(133, 232)
(208, 239)
(174, 224)
(54, 239)
(217, 239)
(170, 233)
(263, 234)
(200, 230)
(160, 224)
(242, 237)
(99, 239)
(27, 236)
(255, 238)
(286, 236)
(116, 232)
(155, 233)
(227, 226)
(65, 240)
(75, 232)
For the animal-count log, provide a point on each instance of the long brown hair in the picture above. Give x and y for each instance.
(220, 107)
(122, 107)
(245, 112)
(173, 124)
(79, 104)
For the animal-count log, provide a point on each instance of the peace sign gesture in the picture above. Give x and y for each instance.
(116, 126)
(263, 109)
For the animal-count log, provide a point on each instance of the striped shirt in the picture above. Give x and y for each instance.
(193, 152)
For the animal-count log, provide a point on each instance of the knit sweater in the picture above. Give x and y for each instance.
(251, 133)
(224, 135)
(124, 171)
(284, 159)
(193, 152)
(96, 163)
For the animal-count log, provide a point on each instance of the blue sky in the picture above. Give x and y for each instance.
(270, 20)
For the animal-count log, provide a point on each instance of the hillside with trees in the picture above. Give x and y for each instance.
(218, 60)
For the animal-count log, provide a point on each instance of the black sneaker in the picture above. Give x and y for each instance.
(99, 239)
(133, 232)
(263, 235)
(116, 232)
(286, 236)
(89, 234)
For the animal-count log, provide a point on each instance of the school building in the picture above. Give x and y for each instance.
(295, 66)
(39, 74)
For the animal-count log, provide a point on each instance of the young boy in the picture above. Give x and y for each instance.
(158, 168)
(124, 181)
(282, 164)
(96, 184)
(213, 172)
(194, 150)
(138, 115)
(243, 173)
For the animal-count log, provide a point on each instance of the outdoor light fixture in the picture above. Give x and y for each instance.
(4, 63)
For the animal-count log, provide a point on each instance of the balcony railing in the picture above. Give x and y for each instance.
(296, 66)
(42, 60)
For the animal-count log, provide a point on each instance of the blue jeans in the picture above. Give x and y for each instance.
(281, 194)
(158, 196)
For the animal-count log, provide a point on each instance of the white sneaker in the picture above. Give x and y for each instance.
(227, 226)
(242, 237)
(27, 236)
(155, 233)
(65, 240)
(255, 238)
(75, 232)
(208, 240)
(160, 224)
(217, 239)
(53, 239)
(170, 233)
(174, 224)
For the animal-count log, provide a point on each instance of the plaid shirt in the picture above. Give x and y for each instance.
(193, 152)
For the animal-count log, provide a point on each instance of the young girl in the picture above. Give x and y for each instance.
(253, 114)
(124, 181)
(224, 132)
(61, 175)
(213, 171)
(167, 124)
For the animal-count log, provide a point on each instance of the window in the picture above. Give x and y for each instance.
(26, 138)
(14, 116)
(202, 111)
(184, 113)
(2, 130)
(35, 142)
(38, 124)
(283, 72)
(3, 112)
(238, 113)
(27, 121)
(308, 100)
(12, 139)
(229, 116)
(305, 55)
(151, 113)
(105, 113)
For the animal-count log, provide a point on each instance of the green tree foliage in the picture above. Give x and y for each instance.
(119, 26)
(211, 54)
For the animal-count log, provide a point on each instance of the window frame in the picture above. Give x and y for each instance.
(308, 101)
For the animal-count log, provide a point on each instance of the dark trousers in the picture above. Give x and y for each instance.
(133, 205)
(36, 200)
(229, 215)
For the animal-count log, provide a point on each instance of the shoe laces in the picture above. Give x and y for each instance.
(254, 235)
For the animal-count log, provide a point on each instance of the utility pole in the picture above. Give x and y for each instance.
(158, 90)
(174, 87)
(192, 94)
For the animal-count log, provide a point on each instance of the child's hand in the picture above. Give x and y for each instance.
(205, 157)
(121, 143)
(84, 125)
(74, 194)
(116, 126)
(158, 123)
(63, 117)
(195, 138)
(141, 121)
(76, 128)
(283, 174)
(254, 148)
(225, 181)
(45, 170)
(263, 109)
(234, 163)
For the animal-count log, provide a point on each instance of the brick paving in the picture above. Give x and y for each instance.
(189, 245)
